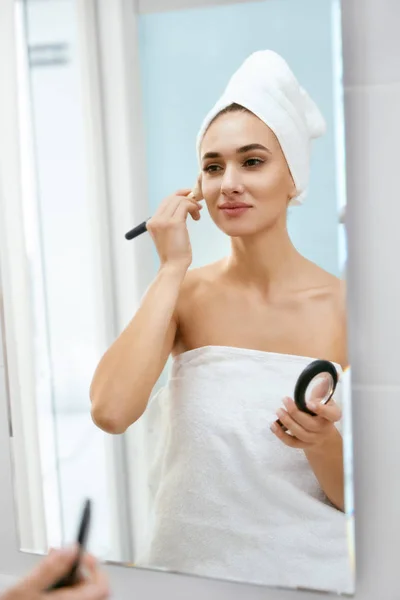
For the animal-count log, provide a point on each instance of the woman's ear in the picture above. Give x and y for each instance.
(292, 190)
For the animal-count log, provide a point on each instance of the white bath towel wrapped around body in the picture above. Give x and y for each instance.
(232, 501)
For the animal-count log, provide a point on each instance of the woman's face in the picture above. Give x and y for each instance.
(246, 182)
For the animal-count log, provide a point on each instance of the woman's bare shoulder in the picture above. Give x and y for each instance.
(196, 294)
(201, 279)
(336, 288)
(327, 294)
(331, 291)
(325, 280)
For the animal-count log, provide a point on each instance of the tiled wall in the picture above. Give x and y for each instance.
(372, 100)
(372, 97)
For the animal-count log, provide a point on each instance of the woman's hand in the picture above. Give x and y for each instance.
(305, 431)
(169, 231)
(93, 586)
(318, 437)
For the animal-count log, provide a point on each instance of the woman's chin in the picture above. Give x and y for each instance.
(243, 227)
(237, 229)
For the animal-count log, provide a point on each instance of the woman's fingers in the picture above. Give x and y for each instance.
(175, 210)
(187, 207)
(300, 429)
(197, 193)
(169, 204)
(288, 439)
(329, 412)
(308, 422)
(93, 586)
(304, 430)
(168, 229)
(295, 428)
(50, 569)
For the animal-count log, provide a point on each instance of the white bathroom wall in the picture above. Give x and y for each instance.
(372, 95)
(372, 99)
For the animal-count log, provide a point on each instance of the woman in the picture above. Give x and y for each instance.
(94, 586)
(236, 499)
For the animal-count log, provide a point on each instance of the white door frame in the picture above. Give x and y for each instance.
(130, 266)
(17, 316)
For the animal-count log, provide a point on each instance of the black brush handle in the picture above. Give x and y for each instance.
(138, 230)
(73, 577)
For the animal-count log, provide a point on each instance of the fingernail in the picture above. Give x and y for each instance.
(280, 412)
(287, 402)
(274, 427)
(311, 404)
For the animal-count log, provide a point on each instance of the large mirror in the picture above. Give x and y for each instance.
(211, 429)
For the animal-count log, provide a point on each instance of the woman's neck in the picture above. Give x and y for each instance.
(266, 261)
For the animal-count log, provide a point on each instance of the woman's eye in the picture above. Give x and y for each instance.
(253, 162)
(211, 168)
(250, 162)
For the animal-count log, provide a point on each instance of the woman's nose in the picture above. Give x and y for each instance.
(231, 183)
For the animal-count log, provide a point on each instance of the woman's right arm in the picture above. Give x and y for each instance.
(124, 378)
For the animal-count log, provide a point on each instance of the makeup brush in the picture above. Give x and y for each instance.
(195, 194)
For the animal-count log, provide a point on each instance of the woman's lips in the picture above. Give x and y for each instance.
(234, 211)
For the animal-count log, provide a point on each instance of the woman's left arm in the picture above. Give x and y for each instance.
(318, 436)
(320, 440)
(327, 463)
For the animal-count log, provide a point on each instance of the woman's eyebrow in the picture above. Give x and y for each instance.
(249, 147)
(241, 150)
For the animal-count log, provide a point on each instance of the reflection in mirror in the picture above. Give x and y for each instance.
(184, 426)
(320, 388)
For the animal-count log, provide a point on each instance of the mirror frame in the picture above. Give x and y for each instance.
(377, 571)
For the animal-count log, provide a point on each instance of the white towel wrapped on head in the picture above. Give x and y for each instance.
(265, 85)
